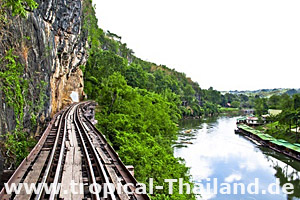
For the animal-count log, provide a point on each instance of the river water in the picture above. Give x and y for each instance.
(213, 151)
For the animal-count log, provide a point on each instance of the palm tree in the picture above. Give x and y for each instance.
(287, 117)
(296, 119)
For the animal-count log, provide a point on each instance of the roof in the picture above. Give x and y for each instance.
(276, 142)
(252, 118)
(241, 118)
(296, 144)
(267, 137)
(274, 112)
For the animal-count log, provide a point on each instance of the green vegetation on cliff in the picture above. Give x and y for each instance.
(194, 101)
(17, 143)
(14, 86)
(139, 106)
(19, 7)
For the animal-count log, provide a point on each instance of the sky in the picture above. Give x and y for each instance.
(226, 44)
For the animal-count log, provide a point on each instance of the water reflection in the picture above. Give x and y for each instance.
(286, 171)
(215, 151)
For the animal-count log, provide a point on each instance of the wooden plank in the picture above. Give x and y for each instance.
(77, 172)
(72, 168)
(68, 144)
(102, 155)
(33, 175)
(115, 180)
(77, 156)
(75, 142)
(67, 175)
(71, 138)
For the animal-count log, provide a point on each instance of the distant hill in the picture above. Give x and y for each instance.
(267, 92)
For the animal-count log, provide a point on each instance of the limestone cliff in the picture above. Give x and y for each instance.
(51, 47)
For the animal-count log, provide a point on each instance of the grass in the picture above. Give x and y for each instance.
(225, 109)
(279, 131)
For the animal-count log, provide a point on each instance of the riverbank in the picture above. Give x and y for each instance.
(279, 145)
(230, 112)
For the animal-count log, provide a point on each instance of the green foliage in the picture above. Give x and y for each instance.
(18, 145)
(235, 104)
(13, 85)
(38, 104)
(15, 89)
(19, 7)
(141, 126)
(90, 28)
(261, 106)
(286, 102)
(213, 96)
(226, 109)
(274, 102)
(281, 125)
(296, 101)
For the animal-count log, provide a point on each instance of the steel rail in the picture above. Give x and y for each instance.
(96, 166)
(92, 174)
(61, 155)
(50, 162)
(99, 162)
(129, 177)
(20, 171)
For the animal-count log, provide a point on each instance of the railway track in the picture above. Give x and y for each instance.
(75, 159)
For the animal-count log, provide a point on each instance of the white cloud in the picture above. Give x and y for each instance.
(233, 178)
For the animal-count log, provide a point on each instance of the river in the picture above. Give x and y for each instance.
(213, 151)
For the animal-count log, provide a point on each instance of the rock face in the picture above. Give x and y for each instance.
(62, 20)
(51, 46)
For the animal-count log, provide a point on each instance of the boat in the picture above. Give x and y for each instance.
(188, 131)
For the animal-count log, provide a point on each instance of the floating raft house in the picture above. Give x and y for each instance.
(269, 138)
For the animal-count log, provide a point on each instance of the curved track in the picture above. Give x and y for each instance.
(72, 150)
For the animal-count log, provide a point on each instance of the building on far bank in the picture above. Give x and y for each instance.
(271, 112)
(274, 112)
(252, 121)
(248, 111)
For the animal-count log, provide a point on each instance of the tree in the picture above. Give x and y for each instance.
(136, 76)
(287, 117)
(213, 96)
(141, 126)
(244, 97)
(296, 101)
(286, 102)
(261, 106)
(274, 102)
(295, 115)
(235, 104)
